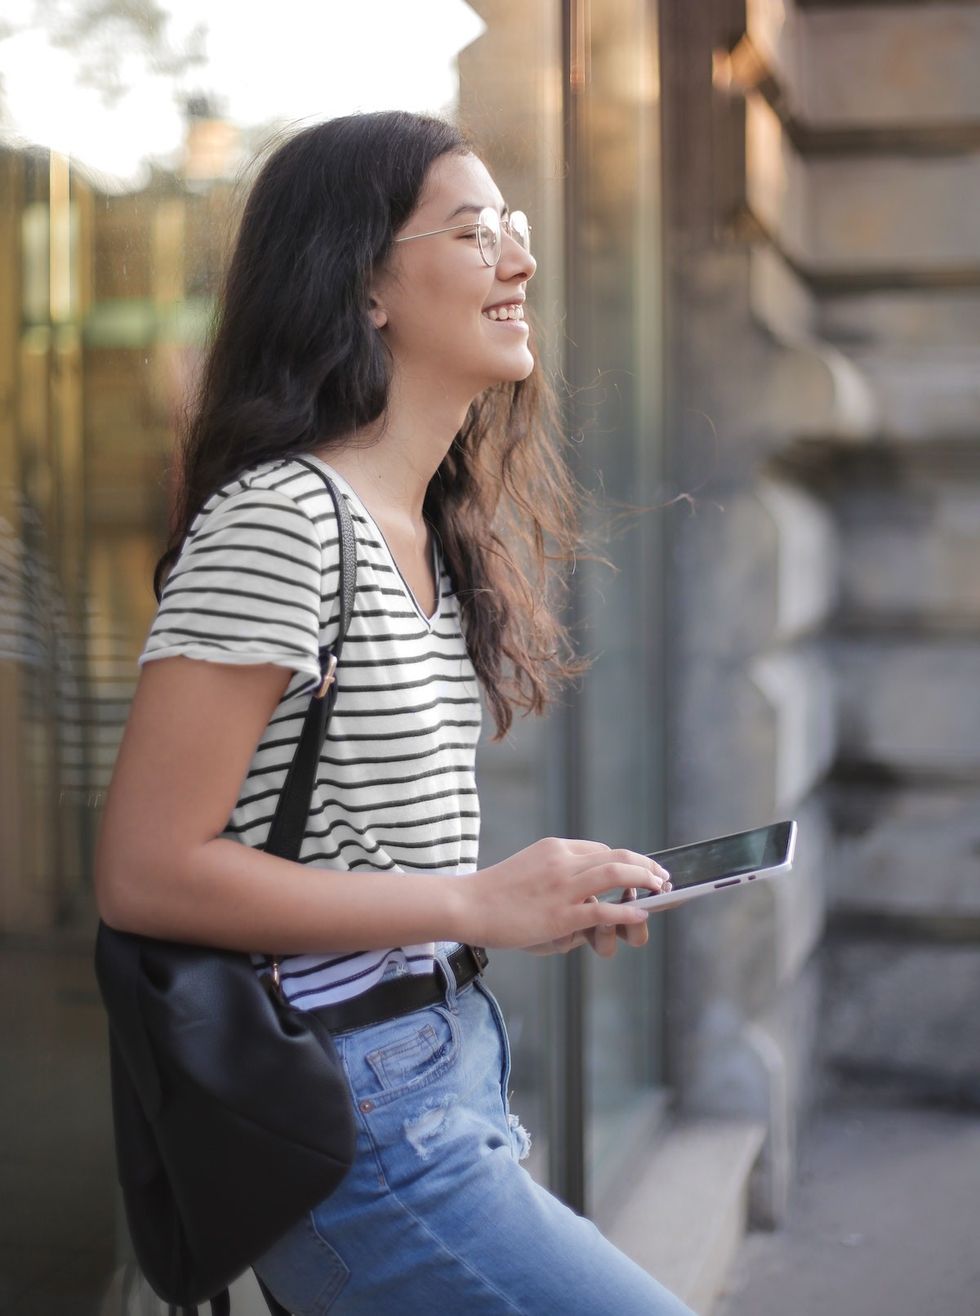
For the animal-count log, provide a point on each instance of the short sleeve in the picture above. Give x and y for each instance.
(246, 589)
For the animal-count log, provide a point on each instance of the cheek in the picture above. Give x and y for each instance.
(447, 313)
(457, 285)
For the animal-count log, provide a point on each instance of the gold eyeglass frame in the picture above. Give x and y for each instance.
(482, 221)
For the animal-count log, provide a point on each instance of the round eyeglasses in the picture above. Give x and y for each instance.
(488, 228)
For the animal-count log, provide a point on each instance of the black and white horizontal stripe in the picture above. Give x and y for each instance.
(257, 581)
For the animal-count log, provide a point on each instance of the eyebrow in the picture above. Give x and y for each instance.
(468, 205)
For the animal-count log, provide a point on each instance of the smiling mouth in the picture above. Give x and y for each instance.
(498, 314)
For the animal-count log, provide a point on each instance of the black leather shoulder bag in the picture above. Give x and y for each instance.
(231, 1110)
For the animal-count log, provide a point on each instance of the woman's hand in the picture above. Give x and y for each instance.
(545, 898)
(602, 939)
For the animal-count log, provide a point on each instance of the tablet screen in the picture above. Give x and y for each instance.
(727, 856)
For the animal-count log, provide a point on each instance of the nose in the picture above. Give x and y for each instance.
(514, 260)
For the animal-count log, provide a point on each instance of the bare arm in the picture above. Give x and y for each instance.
(162, 868)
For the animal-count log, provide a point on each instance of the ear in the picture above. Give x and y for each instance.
(378, 314)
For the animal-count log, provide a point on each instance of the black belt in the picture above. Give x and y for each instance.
(401, 995)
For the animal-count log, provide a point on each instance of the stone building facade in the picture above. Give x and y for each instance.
(823, 375)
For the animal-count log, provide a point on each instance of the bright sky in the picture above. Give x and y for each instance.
(288, 61)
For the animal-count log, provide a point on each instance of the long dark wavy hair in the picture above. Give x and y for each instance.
(295, 364)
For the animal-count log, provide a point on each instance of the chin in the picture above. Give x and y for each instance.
(523, 366)
(502, 370)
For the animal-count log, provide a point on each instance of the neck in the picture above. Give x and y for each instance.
(391, 461)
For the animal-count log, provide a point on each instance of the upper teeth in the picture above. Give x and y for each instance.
(513, 312)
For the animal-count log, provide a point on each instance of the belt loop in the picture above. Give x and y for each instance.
(448, 977)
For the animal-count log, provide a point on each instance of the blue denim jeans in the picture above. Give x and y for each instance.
(437, 1213)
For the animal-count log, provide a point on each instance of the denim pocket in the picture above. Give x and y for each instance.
(401, 1055)
(303, 1271)
(407, 1057)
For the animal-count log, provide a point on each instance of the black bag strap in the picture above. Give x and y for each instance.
(289, 821)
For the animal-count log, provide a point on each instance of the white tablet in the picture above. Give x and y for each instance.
(723, 863)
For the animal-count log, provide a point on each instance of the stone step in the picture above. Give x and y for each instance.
(932, 319)
(686, 1215)
(903, 1017)
(910, 706)
(910, 551)
(924, 394)
(758, 379)
(872, 65)
(858, 216)
(909, 854)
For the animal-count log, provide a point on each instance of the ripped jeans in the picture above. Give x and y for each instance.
(437, 1214)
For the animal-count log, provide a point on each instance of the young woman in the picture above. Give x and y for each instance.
(358, 336)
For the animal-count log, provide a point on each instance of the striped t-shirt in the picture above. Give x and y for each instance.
(257, 581)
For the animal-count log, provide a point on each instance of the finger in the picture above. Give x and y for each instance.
(602, 939)
(595, 913)
(644, 861)
(561, 946)
(571, 942)
(609, 873)
(596, 852)
(653, 873)
(637, 935)
(605, 942)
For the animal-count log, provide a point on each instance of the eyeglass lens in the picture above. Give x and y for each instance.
(489, 228)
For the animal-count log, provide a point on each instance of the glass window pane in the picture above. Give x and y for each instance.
(117, 198)
(615, 368)
(510, 102)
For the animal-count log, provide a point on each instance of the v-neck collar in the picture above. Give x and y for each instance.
(436, 565)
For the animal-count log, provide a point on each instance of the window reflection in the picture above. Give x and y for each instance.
(117, 200)
(614, 324)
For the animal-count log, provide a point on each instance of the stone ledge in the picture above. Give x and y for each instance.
(911, 552)
(893, 64)
(929, 320)
(756, 379)
(685, 1215)
(886, 211)
(909, 853)
(874, 66)
(867, 215)
(905, 1015)
(924, 393)
(911, 705)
